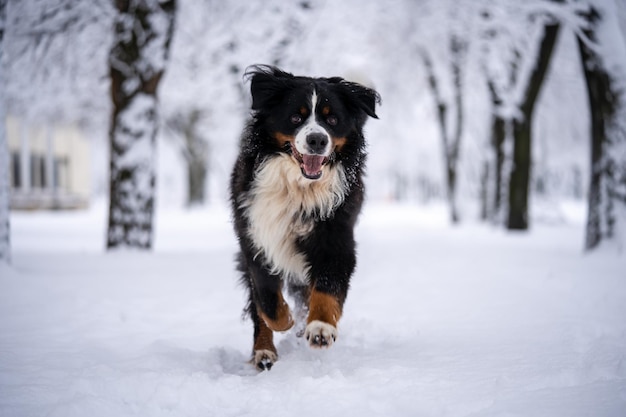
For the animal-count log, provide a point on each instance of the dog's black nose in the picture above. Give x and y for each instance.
(317, 142)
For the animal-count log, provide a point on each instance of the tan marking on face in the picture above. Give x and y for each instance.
(326, 110)
(284, 320)
(324, 307)
(339, 143)
(303, 111)
(282, 139)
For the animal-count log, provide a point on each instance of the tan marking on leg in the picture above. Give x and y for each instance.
(284, 320)
(324, 307)
(265, 338)
(264, 352)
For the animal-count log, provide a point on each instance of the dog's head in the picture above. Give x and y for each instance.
(315, 119)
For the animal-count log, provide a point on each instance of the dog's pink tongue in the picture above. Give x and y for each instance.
(312, 164)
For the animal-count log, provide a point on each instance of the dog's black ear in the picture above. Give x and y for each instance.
(368, 98)
(363, 97)
(268, 84)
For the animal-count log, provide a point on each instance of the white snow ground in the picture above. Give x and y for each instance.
(440, 321)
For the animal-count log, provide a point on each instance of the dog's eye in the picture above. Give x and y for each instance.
(331, 120)
(296, 119)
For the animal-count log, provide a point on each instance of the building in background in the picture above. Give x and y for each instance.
(49, 166)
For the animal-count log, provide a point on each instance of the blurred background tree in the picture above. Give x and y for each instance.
(604, 64)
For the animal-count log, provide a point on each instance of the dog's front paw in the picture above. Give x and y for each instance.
(264, 359)
(320, 334)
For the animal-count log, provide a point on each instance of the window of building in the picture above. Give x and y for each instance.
(16, 178)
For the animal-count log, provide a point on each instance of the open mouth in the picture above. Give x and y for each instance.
(310, 165)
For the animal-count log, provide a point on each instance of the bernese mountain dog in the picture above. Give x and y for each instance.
(296, 192)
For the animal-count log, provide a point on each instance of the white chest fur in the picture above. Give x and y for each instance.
(282, 206)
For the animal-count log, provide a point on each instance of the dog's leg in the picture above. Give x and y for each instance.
(267, 309)
(269, 313)
(275, 316)
(324, 313)
(269, 299)
(264, 352)
(331, 254)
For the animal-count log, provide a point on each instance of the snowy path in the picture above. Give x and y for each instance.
(439, 322)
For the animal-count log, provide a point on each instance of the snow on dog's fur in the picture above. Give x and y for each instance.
(296, 192)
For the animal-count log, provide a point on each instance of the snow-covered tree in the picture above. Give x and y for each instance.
(519, 179)
(5, 240)
(503, 53)
(143, 31)
(56, 60)
(445, 68)
(518, 41)
(603, 53)
(451, 129)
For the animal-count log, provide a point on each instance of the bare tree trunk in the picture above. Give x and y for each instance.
(195, 150)
(522, 149)
(143, 31)
(5, 236)
(197, 154)
(494, 175)
(607, 191)
(451, 140)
